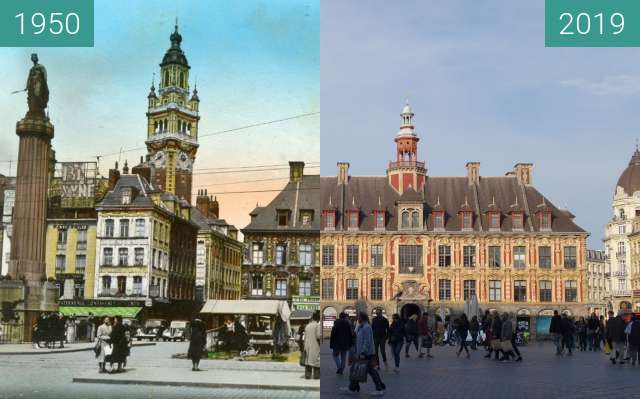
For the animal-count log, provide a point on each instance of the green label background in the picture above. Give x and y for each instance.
(10, 25)
(629, 37)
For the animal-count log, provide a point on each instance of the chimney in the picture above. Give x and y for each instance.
(125, 168)
(214, 208)
(473, 172)
(343, 172)
(296, 170)
(523, 173)
(114, 176)
(142, 170)
(202, 202)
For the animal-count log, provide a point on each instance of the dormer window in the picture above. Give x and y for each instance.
(467, 220)
(329, 221)
(438, 220)
(545, 220)
(494, 220)
(517, 221)
(283, 218)
(354, 219)
(410, 218)
(380, 222)
(405, 220)
(306, 217)
(126, 196)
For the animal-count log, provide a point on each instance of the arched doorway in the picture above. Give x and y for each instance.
(409, 310)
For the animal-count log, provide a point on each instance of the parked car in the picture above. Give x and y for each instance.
(178, 330)
(153, 329)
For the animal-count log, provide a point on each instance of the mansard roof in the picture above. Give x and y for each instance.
(447, 194)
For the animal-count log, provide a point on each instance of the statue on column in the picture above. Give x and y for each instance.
(37, 89)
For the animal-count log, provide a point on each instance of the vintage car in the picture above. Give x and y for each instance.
(153, 329)
(178, 330)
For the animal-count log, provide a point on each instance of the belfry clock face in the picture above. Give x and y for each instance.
(184, 162)
(159, 159)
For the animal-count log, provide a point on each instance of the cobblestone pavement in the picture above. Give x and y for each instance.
(540, 375)
(50, 376)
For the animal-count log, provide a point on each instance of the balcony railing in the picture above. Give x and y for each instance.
(621, 293)
(621, 255)
(61, 246)
(81, 246)
(114, 292)
(154, 291)
(621, 273)
(406, 164)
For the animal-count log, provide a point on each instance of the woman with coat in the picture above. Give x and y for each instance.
(312, 335)
(463, 330)
(341, 341)
(120, 344)
(505, 338)
(197, 343)
(396, 339)
(103, 336)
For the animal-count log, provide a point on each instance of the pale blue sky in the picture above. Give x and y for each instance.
(254, 61)
(483, 88)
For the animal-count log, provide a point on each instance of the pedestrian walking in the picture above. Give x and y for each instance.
(366, 354)
(341, 341)
(103, 336)
(581, 331)
(616, 337)
(514, 344)
(495, 332)
(120, 344)
(474, 329)
(197, 343)
(634, 339)
(396, 339)
(312, 336)
(380, 327)
(425, 335)
(463, 331)
(505, 338)
(411, 333)
(593, 332)
(568, 330)
(555, 329)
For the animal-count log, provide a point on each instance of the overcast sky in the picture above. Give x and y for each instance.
(483, 88)
(254, 61)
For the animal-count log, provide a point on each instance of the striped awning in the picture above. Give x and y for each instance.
(124, 311)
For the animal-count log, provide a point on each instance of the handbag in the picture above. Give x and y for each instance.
(495, 344)
(506, 346)
(358, 371)
(607, 347)
(108, 350)
(97, 348)
(469, 337)
(303, 358)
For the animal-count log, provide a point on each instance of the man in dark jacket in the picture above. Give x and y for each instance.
(616, 337)
(494, 336)
(568, 329)
(634, 339)
(555, 329)
(341, 341)
(380, 328)
(593, 332)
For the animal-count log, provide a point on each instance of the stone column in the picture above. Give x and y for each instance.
(30, 210)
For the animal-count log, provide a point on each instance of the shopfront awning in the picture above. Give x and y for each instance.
(244, 307)
(124, 311)
(301, 314)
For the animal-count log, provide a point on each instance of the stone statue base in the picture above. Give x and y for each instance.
(29, 299)
(39, 126)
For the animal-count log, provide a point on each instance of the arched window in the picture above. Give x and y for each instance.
(164, 126)
(622, 215)
(155, 126)
(405, 219)
(166, 78)
(182, 79)
(415, 219)
(189, 128)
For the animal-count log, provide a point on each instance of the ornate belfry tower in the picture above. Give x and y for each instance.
(406, 170)
(172, 131)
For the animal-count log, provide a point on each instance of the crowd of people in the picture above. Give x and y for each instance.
(113, 345)
(55, 329)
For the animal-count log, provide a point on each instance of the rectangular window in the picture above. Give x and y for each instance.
(376, 255)
(494, 256)
(520, 291)
(376, 289)
(353, 220)
(545, 291)
(444, 255)
(570, 291)
(106, 284)
(281, 287)
(328, 255)
(137, 285)
(380, 220)
(124, 228)
(469, 289)
(304, 287)
(256, 285)
(122, 285)
(330, 220)
(62, 236)
(516, 221)
(544, 257)
(519, 257)
(545, 221)
(81, 263)
(306, 254)
(352, 255)
(444, 290)
(495, 290)
(327, 288)
(140, 227)
(257, 253)
(107, 256)
(410, 258)
(283, 218)
(281, 254)
(138, 256)
(352, 289)
(108, 228)
(306, 217)
(81, 242)
(469, 256)
(467, 220)
(494, 221)
(123, 256)
(438, 220)
(60, 263)
(570, 257)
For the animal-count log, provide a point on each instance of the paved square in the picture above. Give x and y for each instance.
(540, 375)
